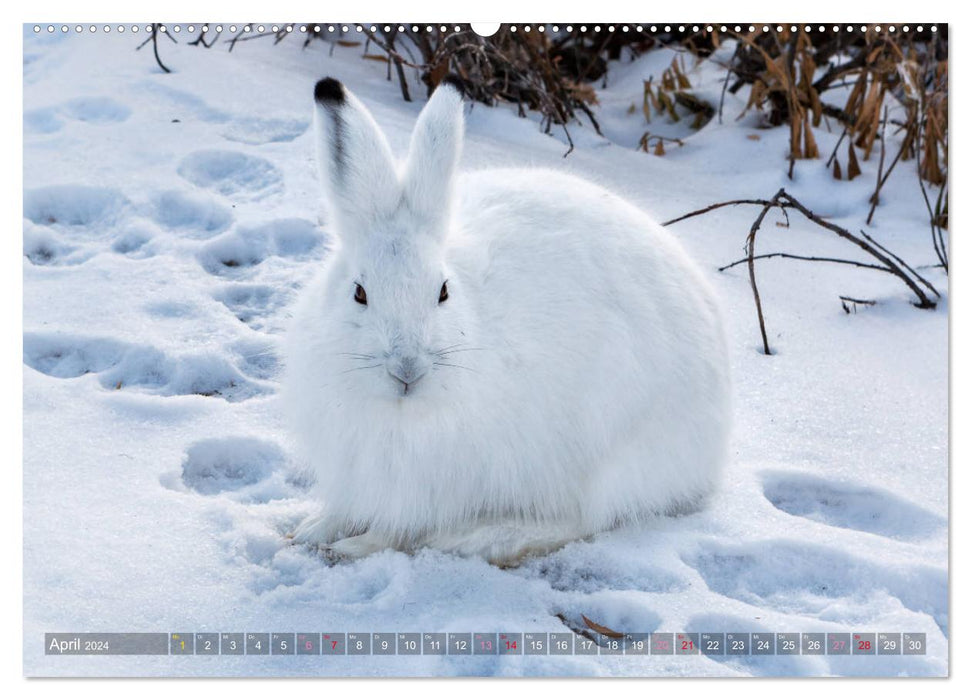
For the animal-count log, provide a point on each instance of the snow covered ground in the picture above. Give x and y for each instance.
(169, 221)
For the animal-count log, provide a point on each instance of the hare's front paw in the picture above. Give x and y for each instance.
(320, 530)
(359, 546)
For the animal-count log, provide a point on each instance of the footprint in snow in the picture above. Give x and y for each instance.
(62, 220)
(243, 469)
(96, 110)
(42, 121)
(66, 356)
(92, 110)
(258, 131)
(797, 577)
(851, 506)
(73, 207)
(45, 247)
(253, 304)
(232, 174)
(235, 252)
(133, 243)
(194, 215)
(125, 366)
(183, 105)
(229, 464)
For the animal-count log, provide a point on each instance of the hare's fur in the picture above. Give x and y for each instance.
(576, 377)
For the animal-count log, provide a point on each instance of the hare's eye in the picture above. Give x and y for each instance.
(443, 295)
(360, 296)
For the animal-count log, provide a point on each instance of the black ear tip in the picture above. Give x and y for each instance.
(329, 91)
(455, 82)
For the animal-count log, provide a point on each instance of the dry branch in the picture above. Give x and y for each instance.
(809, 258)
(153, 37)
(887, 261)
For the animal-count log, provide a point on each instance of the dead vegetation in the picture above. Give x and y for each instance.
(801, 77)
(868, 85)
(662, 100)
(882, 85)
(875, 84)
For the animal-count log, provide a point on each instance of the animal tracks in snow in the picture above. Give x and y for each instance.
(123, 366)
(44, 246)
(796, 577)
(231, 254)
(231, 173)
(850, 506)
(195, 215)
(219, 465)
(73, 205)
(68, 224)
(132, 243)
(70, 356)
(250, 130)
(255, 305)
(257, 131)
(42, 121)
(96, 110)
(238, 472)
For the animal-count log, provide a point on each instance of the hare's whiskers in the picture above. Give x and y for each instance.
(449, 364)
(446, 353)
(449, 347)
(358, 369)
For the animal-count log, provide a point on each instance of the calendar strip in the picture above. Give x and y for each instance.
(486, 643)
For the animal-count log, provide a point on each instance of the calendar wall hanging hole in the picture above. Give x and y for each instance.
(485, 28)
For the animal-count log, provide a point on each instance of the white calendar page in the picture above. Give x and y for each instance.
(185, 186)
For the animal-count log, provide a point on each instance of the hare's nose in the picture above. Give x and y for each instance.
(407, 370)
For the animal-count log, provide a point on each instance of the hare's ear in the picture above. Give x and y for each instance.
(357, 168)
(436, 145)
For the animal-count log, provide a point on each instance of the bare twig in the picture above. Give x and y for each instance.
(237, 37)
(832, 155)
(201, 39)
(728, 75)
(902, 263)
(887, 261)
(881, 181)
(855, 302)
(258, 35)
(153, 37)
(750, 250)
(864, 244)
(719, 205)
(593, 120)
(937, 236)
(569, 140)
(401, 79)
(388, 48)
(793, 256)
(940, 220)
(875, 197)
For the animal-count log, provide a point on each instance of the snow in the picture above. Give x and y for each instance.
(169, 223)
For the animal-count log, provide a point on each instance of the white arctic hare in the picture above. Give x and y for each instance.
(496, 364)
